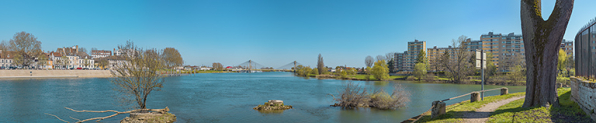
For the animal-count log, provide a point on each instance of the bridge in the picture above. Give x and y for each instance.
(252, 66)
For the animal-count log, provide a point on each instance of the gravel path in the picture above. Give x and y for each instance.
(481, 115)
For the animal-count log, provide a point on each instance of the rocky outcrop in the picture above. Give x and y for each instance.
(273, 105)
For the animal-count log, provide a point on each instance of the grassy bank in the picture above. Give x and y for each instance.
(357, 77)
(455, 112)
(569, 111)
(372, 78)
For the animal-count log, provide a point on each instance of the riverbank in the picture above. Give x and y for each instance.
(435, 79)
(12, 74)
(569, 111)
(455, 112)
(42, 74)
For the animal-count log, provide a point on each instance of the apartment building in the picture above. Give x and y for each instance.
(504, 48)
(567, 46)
(399, 60)
(434, 57)
(100, 53)
(414, 48)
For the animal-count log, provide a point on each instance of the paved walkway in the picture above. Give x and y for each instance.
(481, 115)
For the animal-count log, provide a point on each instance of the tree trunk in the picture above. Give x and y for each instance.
(542, 40)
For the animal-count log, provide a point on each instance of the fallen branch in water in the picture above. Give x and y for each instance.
(162, 111)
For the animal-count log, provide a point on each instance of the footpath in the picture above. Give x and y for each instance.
(481, 114)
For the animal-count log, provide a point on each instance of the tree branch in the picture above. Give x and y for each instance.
(162, 111)
(57, 117)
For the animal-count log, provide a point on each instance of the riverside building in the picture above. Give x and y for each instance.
(504, 48)
(414, 48)
(567, 46)
(399, 60)
(434, 57)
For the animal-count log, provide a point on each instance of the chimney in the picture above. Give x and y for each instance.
(77, 50)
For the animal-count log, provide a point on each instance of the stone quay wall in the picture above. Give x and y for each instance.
(54, 73)
(584, 94)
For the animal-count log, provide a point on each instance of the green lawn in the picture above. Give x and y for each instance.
(443, 78)
(455, 111)
(360, 76)
(569, 111)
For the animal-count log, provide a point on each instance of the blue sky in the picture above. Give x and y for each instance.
(272, 33)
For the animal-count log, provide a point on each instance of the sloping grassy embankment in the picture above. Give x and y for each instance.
(569, 111)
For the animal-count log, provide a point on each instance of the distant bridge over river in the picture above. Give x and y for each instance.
(252, 66)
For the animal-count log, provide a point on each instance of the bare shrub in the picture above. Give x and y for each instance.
(429, 77)
(352, 96)
(356, 96)
(382, 100)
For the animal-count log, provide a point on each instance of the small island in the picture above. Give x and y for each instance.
(273, 105)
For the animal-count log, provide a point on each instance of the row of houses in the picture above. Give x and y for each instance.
(503, 47)
(66, 58)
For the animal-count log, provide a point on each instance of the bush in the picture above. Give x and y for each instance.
(352, 96)
(356, 96)
(382, 100)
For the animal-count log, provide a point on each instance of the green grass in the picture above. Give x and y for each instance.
(568, 111)
(361, 76)
(455, 111)
(443, 78)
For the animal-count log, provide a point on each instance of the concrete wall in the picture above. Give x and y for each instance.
(584, 93)
(54, 73)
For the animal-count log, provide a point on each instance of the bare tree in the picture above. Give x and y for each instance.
(4, 46)
(380, 57)
(389, 56)
(135, 80)
(369, 61)
(172, 57)
(26, 47)
(102, 62)
(456, 62)
(42, 60)
(320, 65)
(64, 62)
(542, 39)
(82, 52)
(86, 62)
(217, 66)
(138, 76)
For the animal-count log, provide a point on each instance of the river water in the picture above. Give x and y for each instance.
(218, 97)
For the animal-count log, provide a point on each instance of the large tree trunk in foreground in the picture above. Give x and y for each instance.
(542, 40)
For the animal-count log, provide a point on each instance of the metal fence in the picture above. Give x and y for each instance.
(585, 49)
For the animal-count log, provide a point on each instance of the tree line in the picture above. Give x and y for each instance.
(26, 50)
